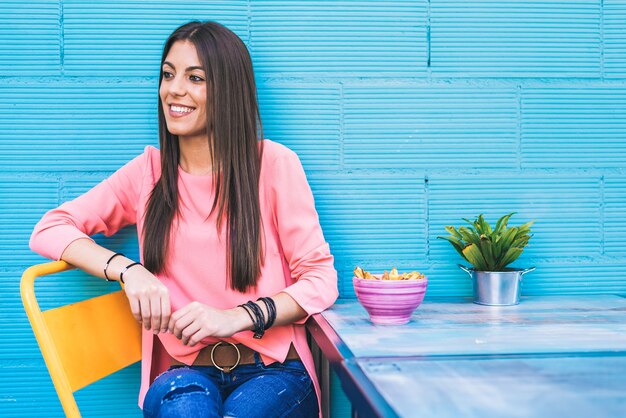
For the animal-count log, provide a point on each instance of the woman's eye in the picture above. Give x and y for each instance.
(196, 78)
(167, 74)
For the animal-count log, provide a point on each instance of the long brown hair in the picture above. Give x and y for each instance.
(234, 130)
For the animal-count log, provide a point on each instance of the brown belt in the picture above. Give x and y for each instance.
(226, 356)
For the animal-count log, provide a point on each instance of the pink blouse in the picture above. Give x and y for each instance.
(297, 257)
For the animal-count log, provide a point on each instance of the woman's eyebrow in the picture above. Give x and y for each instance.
(194, 67)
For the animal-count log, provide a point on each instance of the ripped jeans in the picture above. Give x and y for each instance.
(250, 390)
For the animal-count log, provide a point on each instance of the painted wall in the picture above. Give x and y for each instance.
(407, 115)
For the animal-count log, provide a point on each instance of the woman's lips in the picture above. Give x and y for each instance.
(177, 111)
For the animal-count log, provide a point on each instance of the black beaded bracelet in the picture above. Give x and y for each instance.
(106, 266)
(245, 308)
(271, 311)
(259, 318)
(251, 314)
(260, 327)
(126, 269)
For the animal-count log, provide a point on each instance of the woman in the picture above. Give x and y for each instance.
(234, 259)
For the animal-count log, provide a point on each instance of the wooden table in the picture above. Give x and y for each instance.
(546, 357)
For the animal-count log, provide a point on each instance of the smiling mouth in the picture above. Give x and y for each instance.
(178, 110)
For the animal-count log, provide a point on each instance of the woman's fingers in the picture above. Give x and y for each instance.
(149, 299)
(144, 302)
(189, 331)
(155, 311)
(196, 321)
(179, 323)
(165, 312)
(135, 308)
(176, 316)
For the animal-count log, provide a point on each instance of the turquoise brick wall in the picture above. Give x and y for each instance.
(407, 115)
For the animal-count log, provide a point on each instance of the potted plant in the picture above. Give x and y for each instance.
(490, 251)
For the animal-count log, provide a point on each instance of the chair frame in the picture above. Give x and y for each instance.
(47, 345)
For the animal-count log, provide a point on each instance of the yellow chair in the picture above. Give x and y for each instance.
(81, 342)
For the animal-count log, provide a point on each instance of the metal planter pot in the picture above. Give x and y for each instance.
(496, 288)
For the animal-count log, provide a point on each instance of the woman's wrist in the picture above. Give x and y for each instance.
(118, 265)
(241, 319)
(124, 273)
(107, 264)
(115, 266)
(244, 319)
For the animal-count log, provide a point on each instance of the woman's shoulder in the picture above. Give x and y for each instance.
(149, 159)
(152, 159)
(151, 153)
(275, 151)
(149, 156)
(281, 167)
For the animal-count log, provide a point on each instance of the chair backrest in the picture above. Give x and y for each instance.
(81, 342)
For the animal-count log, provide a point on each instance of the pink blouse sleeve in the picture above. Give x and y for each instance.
(106, 208)
(301, 237)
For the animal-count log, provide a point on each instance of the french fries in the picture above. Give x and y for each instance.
(394, 275)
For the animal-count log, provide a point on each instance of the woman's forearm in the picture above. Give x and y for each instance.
(91, 258)
(287, 311)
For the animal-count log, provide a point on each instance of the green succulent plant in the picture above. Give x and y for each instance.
(489, 249)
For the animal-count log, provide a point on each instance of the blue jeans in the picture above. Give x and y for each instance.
(250, 390)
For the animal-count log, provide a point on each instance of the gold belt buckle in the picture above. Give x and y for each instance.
(225, 369)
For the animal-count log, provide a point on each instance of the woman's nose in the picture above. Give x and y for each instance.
(177, 86)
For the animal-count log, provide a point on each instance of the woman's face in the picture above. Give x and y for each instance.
(183, 91)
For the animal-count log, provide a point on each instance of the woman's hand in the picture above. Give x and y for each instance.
(149, 299)
(196, 321)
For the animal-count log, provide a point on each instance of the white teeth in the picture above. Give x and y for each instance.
(181, 109)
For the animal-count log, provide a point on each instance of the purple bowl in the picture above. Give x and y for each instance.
(390, 302)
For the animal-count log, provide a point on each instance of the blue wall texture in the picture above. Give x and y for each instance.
(407, 115)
